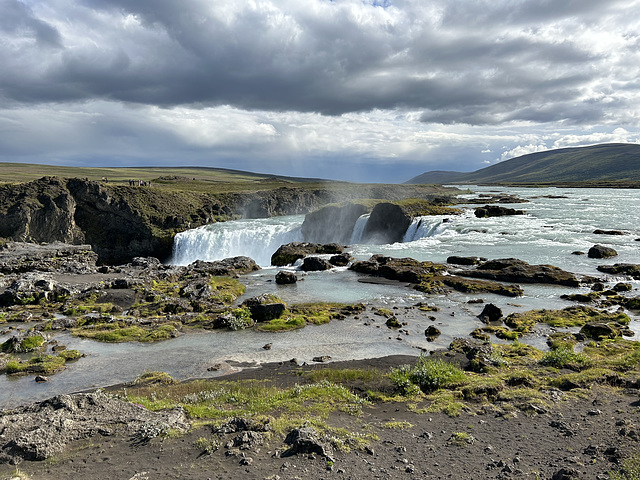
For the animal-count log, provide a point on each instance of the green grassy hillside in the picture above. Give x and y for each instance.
(196, 179)
(612, 162)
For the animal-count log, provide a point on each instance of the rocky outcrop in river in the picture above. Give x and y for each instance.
(387, 223)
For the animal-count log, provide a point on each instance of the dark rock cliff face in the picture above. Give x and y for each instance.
(387, 224)
(122, 222)
(332, 223)
(41, 211)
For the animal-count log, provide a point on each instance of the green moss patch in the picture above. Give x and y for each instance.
(221, 399)
(574, 316)
(225, 289)
(119, 332)
(41, 364)
(298, 316)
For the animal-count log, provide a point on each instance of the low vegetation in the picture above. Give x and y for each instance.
(300, 315)
(121, 332)
(574, 316)
(40, 364)
(630, 469)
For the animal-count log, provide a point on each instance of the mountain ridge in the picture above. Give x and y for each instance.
(602, 162)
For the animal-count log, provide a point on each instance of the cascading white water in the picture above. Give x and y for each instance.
(358, 228)
(423, 227)
(257, 239)
(260, 238)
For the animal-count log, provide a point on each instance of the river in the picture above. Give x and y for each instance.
(557, 223)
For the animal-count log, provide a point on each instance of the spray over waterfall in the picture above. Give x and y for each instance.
(260, 238)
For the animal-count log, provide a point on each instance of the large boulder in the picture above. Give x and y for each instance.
(305, 440)
(387, 224)
(630, 269)
(496, 211)
(600, 251)
(315, 264)
(490, 313)
(402, 269)
(285, 277)
(599, 330)
(229, 267)
(456, 260)
(265, 307)
(340, 260)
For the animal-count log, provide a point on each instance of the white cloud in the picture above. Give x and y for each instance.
(522, 150)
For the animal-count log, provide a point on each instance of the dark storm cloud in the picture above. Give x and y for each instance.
(334, 57)
(17, 20)
(299, 86)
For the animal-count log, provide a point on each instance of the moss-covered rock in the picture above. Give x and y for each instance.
(402, 269)
(294, 251)
(575, 316)
(629, 269)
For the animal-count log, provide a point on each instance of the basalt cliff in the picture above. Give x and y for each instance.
(121, 222)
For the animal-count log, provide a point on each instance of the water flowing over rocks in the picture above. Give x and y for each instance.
(333, 223)
(121, 222)
(387, 222)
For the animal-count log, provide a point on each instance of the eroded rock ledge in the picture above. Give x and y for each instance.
(41, 430)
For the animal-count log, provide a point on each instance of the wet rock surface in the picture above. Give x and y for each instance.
(496, 211)
(519, 271)
(632, 270)
(286, 278)
(315, 264)
(291, 252)
(600, 251)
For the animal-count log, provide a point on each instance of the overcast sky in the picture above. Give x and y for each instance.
(366, 90)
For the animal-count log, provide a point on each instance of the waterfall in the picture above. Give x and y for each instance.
(257, 239)
(422, 227)
(358, 228)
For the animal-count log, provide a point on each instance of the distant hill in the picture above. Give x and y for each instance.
(597, 163)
